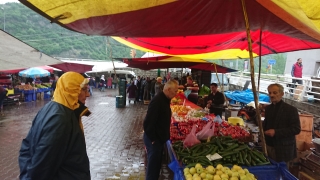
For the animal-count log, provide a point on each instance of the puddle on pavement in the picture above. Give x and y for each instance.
(133, 172)
(103, 103)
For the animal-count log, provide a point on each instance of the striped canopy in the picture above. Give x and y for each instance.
(209, 29)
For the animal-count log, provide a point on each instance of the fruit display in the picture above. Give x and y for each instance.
(25, 87)
(198, 172)
(230, 152)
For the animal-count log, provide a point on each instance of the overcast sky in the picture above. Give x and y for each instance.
(5, 1)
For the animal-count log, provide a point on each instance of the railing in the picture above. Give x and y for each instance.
(299, 92)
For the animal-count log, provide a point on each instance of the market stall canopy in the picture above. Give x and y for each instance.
(174, 62)
(213, 67)
(75, 67)
(194, 28)
(15, 54)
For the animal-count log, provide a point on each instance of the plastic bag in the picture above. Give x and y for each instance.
(206, 132)
(191, 138)
(217, 119)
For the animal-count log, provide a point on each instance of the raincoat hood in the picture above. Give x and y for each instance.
(68, 89)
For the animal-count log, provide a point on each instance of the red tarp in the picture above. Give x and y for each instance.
(159, 63)
(80, 68)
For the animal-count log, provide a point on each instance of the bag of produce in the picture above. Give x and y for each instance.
(206, 132)
(191, 138)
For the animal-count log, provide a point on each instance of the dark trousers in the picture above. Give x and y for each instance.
(293, 86)
(154, 154)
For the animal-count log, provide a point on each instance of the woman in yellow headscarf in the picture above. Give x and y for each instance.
(55, 145)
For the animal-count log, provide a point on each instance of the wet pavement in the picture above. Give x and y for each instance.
(113, 137)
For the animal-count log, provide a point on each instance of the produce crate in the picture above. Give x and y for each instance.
(46, 95)
(28, 97)
(266, 172)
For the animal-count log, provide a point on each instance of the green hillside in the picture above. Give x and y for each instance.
(54, 40)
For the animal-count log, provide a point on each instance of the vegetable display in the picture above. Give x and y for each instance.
(231, 151)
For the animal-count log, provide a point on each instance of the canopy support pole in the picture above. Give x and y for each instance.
(259, 75)
(110, 55)
(254, 91)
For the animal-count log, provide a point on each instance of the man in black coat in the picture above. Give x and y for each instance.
(281, 125)
(156, 127)
(215, 100)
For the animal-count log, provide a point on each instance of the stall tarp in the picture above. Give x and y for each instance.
(194, 28)
(245, 96)
(15, 54)
(174, 62)
(80, 68)
(13, 71)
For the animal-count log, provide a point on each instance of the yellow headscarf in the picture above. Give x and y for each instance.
(68, 89)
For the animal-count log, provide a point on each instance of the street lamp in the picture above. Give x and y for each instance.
(4, 19)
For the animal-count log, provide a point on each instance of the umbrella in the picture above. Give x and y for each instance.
(34, 72)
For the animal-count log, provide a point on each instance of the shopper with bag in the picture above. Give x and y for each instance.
(156, 127)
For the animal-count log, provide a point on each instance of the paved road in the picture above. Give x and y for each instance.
(113, 137)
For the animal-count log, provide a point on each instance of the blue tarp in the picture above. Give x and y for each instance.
(245, 96)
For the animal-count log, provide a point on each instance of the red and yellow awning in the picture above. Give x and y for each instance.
(192, 28)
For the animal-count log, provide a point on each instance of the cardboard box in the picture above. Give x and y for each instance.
(306, 122)
(304, 176)
(300, 145)
(305, 136)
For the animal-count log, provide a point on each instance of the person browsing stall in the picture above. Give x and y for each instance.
(156, 127)
(215, 100)
(281, 125)
(193, 96)
(55, 146)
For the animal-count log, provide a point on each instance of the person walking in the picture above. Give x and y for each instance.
(102, 83)
(137, 82)
(152, 90)
(281, 125)
(156, 127)
(132, 90)
(55, 146)
(3, 94)
(296, 72)
(158, 86)
(91, 85)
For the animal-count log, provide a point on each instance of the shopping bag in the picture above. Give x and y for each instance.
(206, 132)
(191, 138)
(217, 119)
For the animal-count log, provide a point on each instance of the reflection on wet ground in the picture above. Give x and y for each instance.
(113, 137)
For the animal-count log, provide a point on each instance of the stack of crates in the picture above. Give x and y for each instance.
(121, 99)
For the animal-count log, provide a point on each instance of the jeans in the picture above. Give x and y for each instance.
(90, 90)
(154, 154)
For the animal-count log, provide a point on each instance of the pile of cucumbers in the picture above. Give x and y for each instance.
(231, 150)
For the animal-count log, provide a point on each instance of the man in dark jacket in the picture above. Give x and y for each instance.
(280, 126)
(156, 127)
(55, 145)
(215, 100)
